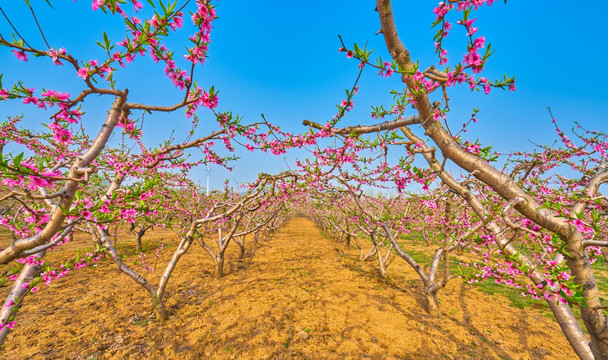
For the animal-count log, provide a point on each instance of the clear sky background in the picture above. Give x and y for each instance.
(281, 58)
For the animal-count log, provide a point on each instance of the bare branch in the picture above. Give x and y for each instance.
(365, 129)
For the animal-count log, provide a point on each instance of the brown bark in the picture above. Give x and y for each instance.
(432, 304)
(16, 295)
(218, 269)
(578, 261)
(256, 238)
(159, 306)
(429, 280)
(381, 262)
(139, 234)
(79, 169)
(156, 293)
(240, 241)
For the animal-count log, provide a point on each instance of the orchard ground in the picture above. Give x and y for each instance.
(299, 295)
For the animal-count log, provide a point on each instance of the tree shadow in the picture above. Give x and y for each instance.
(523, 327)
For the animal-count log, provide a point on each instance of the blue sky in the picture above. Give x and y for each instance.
(281, 58)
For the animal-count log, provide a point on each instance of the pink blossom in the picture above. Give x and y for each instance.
(54, 54)
(36, 182)
(104, 209)
(472, 58)
(154, 21)
(389, 69)
(21, 55)
(442, 9)
(208, 101)
(146, 195)
(97, 4)
(177, 21)
(479, 42)
(438, 115)
(137, 5)
(87, 214)
(60, 134)
(83, 73)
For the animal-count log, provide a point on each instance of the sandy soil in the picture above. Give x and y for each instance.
(299, 295)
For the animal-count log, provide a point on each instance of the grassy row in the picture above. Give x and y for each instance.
(415, 247)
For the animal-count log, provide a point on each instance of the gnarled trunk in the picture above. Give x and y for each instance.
(139, 235)
(578, 261)
(381, 261)
(432, 304)
(241, 243)
(159, 306)
(256, 238)
(16, 295)
(218, 269)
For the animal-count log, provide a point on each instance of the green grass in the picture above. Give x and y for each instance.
(414, 245)
(514, 295)
(140, 322)
(424, 258)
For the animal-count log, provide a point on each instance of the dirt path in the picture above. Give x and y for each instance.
(300, 296)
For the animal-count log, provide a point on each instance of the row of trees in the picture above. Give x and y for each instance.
(525, 222)
(541, 213)
(65, 178)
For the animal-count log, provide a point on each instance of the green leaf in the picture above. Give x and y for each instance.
(17, 160)
(172, 6)
(488, 53)
(106, 41)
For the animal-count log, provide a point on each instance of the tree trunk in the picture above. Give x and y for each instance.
(241, 244)
(572, 330)
(381, 262)
(371, 252)
(96, 240)
(15, 297)
(578, 262)
(218, 271)
(347, 241)
(157, 295)
(140, 234)
(432, 305)
(159, 306)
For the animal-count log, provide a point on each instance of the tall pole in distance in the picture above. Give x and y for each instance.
(208, 170)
